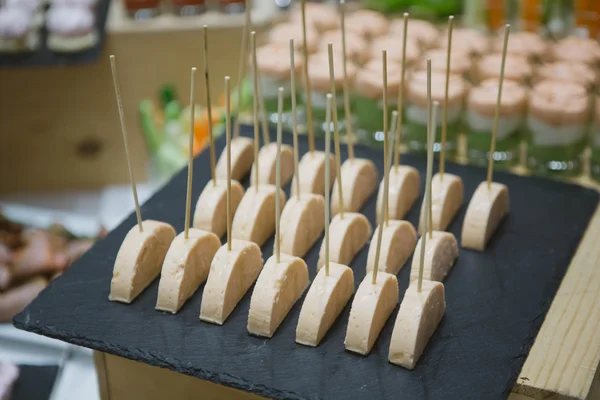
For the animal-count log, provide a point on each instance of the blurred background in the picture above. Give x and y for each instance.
(63, 172)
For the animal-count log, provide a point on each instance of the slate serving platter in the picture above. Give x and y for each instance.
(496, 303)
(43, 56)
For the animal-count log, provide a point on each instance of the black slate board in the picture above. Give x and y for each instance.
(43, 56)
(496, 304)
(35, 382)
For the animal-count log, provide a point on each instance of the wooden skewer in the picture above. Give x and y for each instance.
(309, 120)
(347, 110)
(428, 177)
(490, 170)
(263, 112)
(242, 64)
(255, 105)
(138, 213)
(386, 189)
(385, 128)
(278, 172)
(228, 144)
(433, 130)
(401, 94)
(335, 131)
(445, 111)
(327, 177)
(211, 139)
(188, 200)
(294, 121)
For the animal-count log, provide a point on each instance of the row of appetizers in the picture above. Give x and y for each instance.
(71, 25)
(556, 135)
(365, 28)
(186, 261)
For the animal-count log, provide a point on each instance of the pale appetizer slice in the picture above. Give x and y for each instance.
(441, 252)
(404, 189)
(185, 268)
(372, 305)
(232, 272)
(398, 242)
(277, 289)
(303, 221)
(267, 157)
(312, 173)
(211, 208)
(447, 199)
(488, 207)
(419, 315)
(348, 236)
(139, 259)
(242, 156)
(325, 300)
(254, 219)
(359, 181)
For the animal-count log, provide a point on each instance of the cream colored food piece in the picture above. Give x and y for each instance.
(185, 268)
(277, 289)
(371, 307)
(397, 244)
(254, 219)
(419, 315)
(440, 254)
(303, 221)
(486, 210)
(267, 159)
(346, 237)
(231, 275)
(139, 259)
(211, 208)
(312, 173)
(447, 195)
(324, 302)
(405, 184)
(242, 156)
(359, 180)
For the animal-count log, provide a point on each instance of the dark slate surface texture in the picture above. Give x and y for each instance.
(496, 300)
(35, 382)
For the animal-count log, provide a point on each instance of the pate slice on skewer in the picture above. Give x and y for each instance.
(237, 264)
(334, 284)
(283, 278)
(143, 250)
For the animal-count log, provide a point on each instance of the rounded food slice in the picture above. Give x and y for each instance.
(372, 305)
(324, 302)
(418, 317)
(185, 268)
(346, 237)
(277, 289)
(231, 275)
(359, 180)
(254, 219)
(312, 173)
(488, 206)
(304, 220)
(398, 242)
(268, 165)
(404, 189)
(211, 209)
(242, 156)
(440, 254)
(447, 195)
(139, 259)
